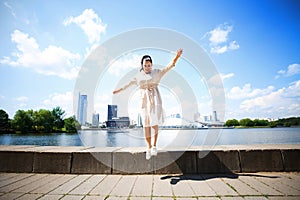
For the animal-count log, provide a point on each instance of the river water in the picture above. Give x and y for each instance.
(170, 138)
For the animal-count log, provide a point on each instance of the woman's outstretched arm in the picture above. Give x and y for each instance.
(173, 63)
(133, 82)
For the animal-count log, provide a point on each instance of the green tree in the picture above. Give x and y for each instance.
(58, 115)
(232, 122)
(246, 122)
(4, 122)
(43, 121)
(273, 124)
(71, 125)
(23, 121)
(260, 122)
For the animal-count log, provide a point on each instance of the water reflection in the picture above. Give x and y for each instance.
(170, 138)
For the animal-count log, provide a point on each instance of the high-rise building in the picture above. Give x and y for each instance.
(215, 116)
(95, 122)
(82, 109)
(112, 112)
(140, 123)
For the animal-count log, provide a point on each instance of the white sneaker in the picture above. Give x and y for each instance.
(153, 151)
(148, 154)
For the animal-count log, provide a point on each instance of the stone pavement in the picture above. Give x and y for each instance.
(274, 185)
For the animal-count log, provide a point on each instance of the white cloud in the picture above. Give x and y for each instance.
(292, 70)
(283, 102)
(65, 101)
(52, 60)
(7, 5)
(21, 99)
(90, 23)
(219, 39)
(123, 64)
(247, 92)
(220, 34)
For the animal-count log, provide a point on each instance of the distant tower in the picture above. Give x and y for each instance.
(140, 123)
(82, 109)
(215, 116)
(112, 112)
(95, 122)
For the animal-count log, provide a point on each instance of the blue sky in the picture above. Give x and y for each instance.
(254, 44)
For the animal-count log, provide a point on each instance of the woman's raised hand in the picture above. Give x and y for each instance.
(179, 52)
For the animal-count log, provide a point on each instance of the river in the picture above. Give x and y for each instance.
(170, 138)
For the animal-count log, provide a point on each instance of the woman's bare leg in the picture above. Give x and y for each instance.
(155, 134)
(147, 131)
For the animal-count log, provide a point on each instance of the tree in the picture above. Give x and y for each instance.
(43, 121)
(4, 122)
(232, 122)
(260, 122)
(58, 115)
(22, 121)
(71, 125)
(246, 122)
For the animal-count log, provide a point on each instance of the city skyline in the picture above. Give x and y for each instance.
(254, 46)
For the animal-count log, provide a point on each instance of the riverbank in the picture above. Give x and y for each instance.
(131, 160)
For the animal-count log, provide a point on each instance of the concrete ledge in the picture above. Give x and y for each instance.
(131, 160)
(261, 160)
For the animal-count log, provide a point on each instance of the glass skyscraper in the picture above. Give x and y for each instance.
(112, 112)
(82, 109)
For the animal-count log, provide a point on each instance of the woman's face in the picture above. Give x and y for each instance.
(147, 66)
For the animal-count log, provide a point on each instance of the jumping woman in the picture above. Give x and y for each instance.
(151, 105)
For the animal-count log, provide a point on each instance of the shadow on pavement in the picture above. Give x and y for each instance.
(174, 179)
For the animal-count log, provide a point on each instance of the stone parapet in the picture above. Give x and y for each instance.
(131, 160)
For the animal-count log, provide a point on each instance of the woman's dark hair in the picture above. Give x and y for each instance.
(145, 58)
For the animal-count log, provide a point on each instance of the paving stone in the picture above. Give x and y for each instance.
(286, 179)
(56, 182)
(280, 185)
(142, 186)
(124, 186)
(161, 187)
(38, 183)
(232, 198)
(14, 179)
(95, 197)
(88, 185)
(71, 184)
(116, 198)
(140, 198)
(219, 186)
(259, 186)
(208, 198)
(30, 196)
(182, 189)
(255, 198)
(199, 186)
(51, 197)
(72, 197)
(10, 196)
(106, 185)
(6, 176)
(162, 198)
(285, 198)
(19, 184)
(241, 187)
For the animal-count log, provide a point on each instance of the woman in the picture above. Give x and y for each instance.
(151, 106)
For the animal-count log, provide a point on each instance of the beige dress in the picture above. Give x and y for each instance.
(150, 100)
